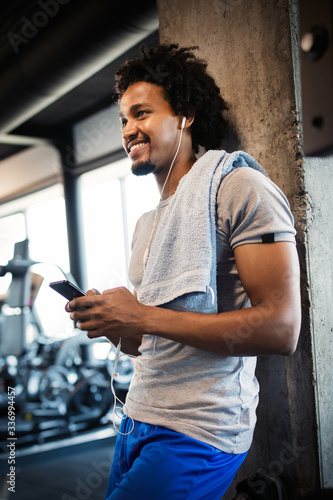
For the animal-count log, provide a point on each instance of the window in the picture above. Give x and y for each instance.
(41, 219)
(112, 201)
(12, 229)
(47, 233)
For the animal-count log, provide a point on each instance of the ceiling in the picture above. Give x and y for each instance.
(57, 62)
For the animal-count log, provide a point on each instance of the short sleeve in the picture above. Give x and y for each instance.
(252, 209)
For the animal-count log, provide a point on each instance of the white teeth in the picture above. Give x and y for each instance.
(136, 146)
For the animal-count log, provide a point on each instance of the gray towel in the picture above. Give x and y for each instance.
(182, 260)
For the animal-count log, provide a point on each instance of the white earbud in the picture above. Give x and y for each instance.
(183, 122)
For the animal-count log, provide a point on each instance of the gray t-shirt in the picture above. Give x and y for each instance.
(207, 396)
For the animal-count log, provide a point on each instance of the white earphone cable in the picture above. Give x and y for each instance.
(146, 253)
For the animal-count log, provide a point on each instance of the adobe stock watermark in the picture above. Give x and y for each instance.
(277, 467)
(85, 488)
(98, 477)
(31, 27)
(93, 138)
(157, 74)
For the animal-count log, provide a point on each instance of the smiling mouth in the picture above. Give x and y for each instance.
(132, 149)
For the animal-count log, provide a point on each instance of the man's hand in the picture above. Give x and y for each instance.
(115, 314)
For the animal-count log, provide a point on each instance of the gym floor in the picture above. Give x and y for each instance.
(72, 471)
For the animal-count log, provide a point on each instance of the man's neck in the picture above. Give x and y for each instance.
(180, 169)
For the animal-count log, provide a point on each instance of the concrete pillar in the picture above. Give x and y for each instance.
(250, 50)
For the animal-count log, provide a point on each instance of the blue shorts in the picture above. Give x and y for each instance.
(154, 463)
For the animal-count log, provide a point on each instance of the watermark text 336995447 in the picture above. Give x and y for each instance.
(11, 445)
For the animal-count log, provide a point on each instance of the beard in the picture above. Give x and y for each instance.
(143, 168)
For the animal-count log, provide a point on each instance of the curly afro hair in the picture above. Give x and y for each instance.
(188, 88)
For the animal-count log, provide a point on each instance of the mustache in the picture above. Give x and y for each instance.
(144, 138)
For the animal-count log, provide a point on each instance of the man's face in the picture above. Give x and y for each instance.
(150, 128)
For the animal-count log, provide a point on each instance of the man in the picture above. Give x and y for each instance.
(216, 275)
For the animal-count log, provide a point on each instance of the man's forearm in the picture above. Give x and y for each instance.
(247, 332)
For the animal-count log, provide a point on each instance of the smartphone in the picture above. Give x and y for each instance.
(67, 289)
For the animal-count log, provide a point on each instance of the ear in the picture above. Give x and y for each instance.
(186, 122)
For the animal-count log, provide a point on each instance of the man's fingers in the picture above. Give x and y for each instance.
(93, 291)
